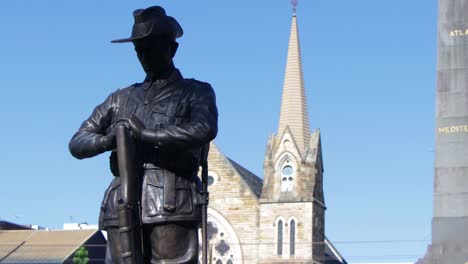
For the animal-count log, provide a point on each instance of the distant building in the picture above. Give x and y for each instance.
(50, 247)
(79, 226)
(280, 219)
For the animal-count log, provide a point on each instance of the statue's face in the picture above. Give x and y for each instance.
(155, 55)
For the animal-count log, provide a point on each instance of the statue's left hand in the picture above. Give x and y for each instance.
(134, 125)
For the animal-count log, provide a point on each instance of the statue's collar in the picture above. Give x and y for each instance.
(159, 84)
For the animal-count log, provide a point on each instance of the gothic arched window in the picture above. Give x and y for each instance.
(287, 175)
(292, 237)
(279, 248)
(223, 243)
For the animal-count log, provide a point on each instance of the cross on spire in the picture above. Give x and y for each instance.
(294, 3)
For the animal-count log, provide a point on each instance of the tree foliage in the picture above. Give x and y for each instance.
(81, 256)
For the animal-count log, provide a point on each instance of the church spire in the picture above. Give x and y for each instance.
(293, 103)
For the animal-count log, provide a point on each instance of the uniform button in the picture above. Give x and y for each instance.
(146, 102)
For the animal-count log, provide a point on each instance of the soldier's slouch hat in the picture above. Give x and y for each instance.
(152, 21)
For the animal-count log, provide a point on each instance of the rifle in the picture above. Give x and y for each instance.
(129, 215)
(205, 197)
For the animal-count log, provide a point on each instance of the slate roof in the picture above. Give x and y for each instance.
(40, 246)
(253, 181)
(332, 256)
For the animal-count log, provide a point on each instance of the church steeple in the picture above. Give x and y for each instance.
(293, 171)
(293, 159)
(294, 113)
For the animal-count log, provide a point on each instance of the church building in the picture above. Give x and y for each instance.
(280, 219)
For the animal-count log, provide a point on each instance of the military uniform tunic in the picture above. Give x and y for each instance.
(184, 116)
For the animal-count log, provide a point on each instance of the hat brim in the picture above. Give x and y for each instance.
(131, 39)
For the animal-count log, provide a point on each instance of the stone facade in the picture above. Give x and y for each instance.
(450, 215)
(249, 219)
(231, 197)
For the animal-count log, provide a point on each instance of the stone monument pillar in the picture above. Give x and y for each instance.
(450, 219)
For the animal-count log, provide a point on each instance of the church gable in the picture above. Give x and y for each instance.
(234, 193)
(290, 176)
(231, 175)
(287, 144)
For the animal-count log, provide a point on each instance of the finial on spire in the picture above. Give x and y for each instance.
(294, 3)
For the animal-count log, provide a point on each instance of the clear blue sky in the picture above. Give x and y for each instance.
(369, 70)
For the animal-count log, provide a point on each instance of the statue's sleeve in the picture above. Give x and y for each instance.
(88, 140)
(201, 128)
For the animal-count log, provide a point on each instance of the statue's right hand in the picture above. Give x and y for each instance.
(134, 126)
(108, 141)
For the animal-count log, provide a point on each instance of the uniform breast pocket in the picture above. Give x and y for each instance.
(158, 113)
(182, 113)
(128, 110)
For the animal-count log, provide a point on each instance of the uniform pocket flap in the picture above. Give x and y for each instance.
(155, 178)
(160, 107)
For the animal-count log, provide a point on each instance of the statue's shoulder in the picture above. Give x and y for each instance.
(125, 91)
(199, 86)
(197, 83)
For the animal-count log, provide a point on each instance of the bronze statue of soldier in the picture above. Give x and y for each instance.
(170, 119)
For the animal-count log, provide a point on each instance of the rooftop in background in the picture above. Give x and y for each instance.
(5, 225)
(41, 246)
